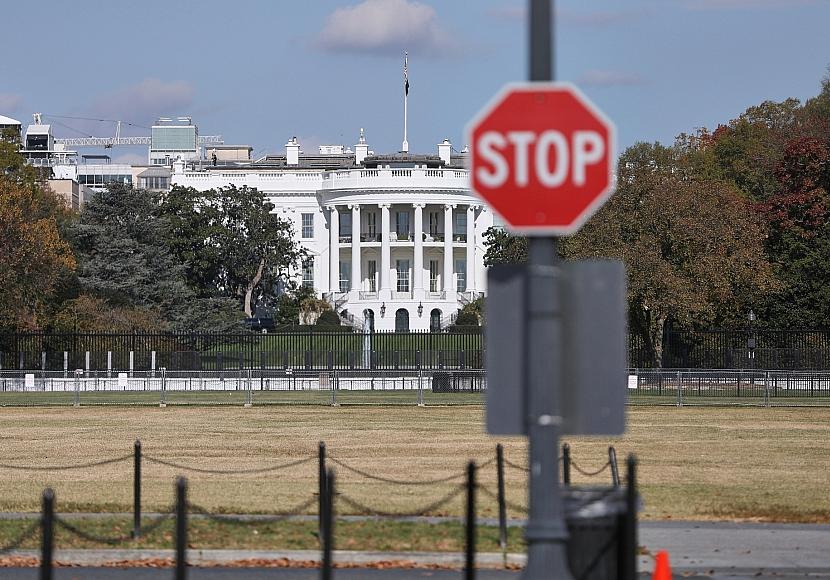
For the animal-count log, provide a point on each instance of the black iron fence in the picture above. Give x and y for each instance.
(346, 349)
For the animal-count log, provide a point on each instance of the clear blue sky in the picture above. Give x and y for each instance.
(259, 71)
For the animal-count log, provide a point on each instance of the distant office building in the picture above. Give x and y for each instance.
(10, 129)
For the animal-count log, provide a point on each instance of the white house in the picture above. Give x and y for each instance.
(395, 241)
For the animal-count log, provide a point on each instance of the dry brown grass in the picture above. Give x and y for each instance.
(694, 462)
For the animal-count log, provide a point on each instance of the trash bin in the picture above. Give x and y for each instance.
(596, 520)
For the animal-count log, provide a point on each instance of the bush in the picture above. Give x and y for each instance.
(328, 318)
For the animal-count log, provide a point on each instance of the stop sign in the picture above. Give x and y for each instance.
(542, 156)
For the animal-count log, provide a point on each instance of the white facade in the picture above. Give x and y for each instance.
(397, 239)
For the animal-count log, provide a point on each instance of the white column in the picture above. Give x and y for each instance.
(418, 261)
(471, 249)
(334, 250)
(448, 287)
(356, 277)
(385, 252)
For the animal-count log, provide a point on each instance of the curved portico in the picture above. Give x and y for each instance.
(410, 239)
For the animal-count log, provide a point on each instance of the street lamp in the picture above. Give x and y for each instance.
(382, 309)
(420, 309)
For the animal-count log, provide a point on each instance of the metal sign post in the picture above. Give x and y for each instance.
(546, 532)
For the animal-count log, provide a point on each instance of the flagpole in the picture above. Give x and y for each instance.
(405, 146)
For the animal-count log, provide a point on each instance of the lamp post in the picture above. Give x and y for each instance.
(750, 341)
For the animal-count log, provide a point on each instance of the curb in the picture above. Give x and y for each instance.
(207, 558)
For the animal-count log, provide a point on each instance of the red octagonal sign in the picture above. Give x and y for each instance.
(542, 157)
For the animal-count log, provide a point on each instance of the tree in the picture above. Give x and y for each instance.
(692, 248)
(232, 243)
(125, 261)
(33, 255)
(503, 247)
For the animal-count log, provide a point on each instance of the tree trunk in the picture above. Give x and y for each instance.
(250, 290)
(656, 330)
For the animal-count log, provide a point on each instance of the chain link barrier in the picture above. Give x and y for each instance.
(356, 505)
(493, 495)
(146, 529)
(382, 479)
(28, 533)
(67, 467)
(253, 471)
(590, 473)
(242, 520)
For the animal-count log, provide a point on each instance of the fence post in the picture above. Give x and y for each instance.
(470, 548)
(612, 460)
(249, 396)
(109, 363)
(47, 534)
(420, 386)
(65, 364)
(163, 401)
(181, 528)
(766, 388)
(77, 402)
(328, 528)
(137, 489)
(679, 389)
(566, 464)
(333, 387)
(86, 361)
(502, 503)
(321, 463)
(629, 551)
(132, 363)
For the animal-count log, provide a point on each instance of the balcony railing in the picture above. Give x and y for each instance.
(346, 239)
(398, 295)
(369, 237)
(367, 295)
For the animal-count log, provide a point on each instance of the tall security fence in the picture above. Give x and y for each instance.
(347, 349)
(219, 352)
(746, 348)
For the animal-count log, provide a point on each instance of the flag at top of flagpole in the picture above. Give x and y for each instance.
(406, 73)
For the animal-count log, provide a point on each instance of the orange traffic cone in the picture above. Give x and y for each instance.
(662, 570)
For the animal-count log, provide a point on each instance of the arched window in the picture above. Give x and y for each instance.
(402, 320)
(435, 320)
(369, 319)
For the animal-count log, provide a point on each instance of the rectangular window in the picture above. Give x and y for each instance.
(308, 225)
(371, 225)
(460, 226)
(308, 273)
(372, 273)
(402, 224)
(434, 216)
(402, 266)
(345, 227)
(345, 276)
(460, 275)
(433, 275)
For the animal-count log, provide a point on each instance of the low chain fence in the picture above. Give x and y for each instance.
(766, 388)
(618, 534)
(244, 387)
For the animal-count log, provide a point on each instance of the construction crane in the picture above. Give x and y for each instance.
(109, 142)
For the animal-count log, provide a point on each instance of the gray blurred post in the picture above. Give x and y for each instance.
(109, 363)
(152, 363)
(546, 532)
(47, 534)
(333, 387)
(86, 361)
(132, 363)
(65, 364)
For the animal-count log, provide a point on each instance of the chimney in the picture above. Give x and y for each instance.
(292, 152)
(361, 150)
(445, 151)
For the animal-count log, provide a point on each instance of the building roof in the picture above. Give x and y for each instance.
(155, 172)
(38, 129)
(8, 121)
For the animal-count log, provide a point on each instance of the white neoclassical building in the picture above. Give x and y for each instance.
(394, 241)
